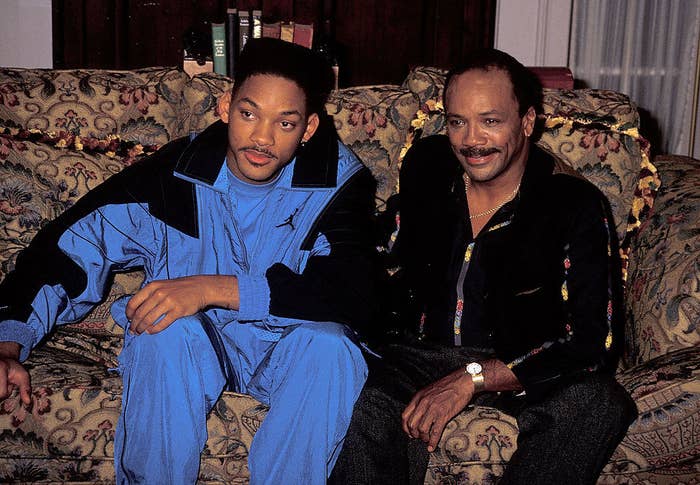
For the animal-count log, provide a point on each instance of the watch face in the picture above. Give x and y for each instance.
(474, 368)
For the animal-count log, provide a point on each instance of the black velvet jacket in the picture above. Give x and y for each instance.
(543, 283)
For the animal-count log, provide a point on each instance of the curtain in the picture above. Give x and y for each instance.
(646, 49)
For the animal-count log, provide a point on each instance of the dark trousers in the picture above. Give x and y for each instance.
(565, 437)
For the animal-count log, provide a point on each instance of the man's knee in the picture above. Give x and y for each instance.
(327, 341)
(596, 395)
(172, 342)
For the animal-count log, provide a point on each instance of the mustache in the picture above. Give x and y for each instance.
(259, 150)
(477, 152)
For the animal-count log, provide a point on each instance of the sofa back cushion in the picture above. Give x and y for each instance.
(201, 95)
(141, 105)
(373, 121)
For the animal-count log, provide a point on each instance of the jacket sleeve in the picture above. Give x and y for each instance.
(338, 286)
(67, 267)
(425, 179)
(591, 295)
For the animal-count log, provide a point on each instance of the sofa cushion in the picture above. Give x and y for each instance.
(201, 95)
(663, 292)
(67, 435)
(39, 179)
(141, 105)
(373, 121)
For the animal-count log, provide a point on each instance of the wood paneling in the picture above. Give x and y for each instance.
(378, 41)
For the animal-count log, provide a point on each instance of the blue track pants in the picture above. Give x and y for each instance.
(309, 374)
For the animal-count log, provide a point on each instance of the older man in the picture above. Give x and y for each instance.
(512, 291)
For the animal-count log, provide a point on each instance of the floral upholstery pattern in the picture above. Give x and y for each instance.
(425, 82)
(140, 105)
(46, 164)
(373, 121)
(201, 95)
(663, 294)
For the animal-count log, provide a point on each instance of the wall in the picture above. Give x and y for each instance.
(534, 32)
(25, 33)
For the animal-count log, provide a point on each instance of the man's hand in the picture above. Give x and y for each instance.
(431, 408)
(177, 298)
(13, 374)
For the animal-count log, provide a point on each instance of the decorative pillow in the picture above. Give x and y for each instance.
(139, 105)
(373, 121)
(663, 293)
(586, 106)
(201, 94)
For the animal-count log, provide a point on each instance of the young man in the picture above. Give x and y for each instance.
(256, 242)
(514, 289)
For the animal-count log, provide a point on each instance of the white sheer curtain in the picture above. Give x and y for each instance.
(646, 49)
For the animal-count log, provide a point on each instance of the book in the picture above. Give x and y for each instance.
(218, 47)
(287, 31)
(271, 29)
(256, 24)
(243, 28)
(231, 40)
(304, 34)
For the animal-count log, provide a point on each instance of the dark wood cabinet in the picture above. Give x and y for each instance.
(378, 41)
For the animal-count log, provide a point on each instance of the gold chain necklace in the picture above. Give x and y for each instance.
(510, 197)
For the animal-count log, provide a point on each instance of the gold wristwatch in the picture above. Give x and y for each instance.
(475, 369)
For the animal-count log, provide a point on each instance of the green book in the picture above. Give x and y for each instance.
(218, 48)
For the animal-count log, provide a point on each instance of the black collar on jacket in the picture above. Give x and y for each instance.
(316, 165)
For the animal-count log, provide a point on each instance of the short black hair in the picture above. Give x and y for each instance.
(526, 85)
(309, 70)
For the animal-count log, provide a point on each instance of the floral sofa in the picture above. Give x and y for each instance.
(64, 132)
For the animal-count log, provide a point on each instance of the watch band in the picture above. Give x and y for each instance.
(479, 384)
(474, 369)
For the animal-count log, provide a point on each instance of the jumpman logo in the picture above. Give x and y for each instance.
(290, 220)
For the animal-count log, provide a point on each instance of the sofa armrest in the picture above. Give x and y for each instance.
(662, 297)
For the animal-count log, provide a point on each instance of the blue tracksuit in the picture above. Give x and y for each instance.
(304, 270)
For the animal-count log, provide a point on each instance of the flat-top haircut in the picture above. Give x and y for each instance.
(526, 86)
(311, 72)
